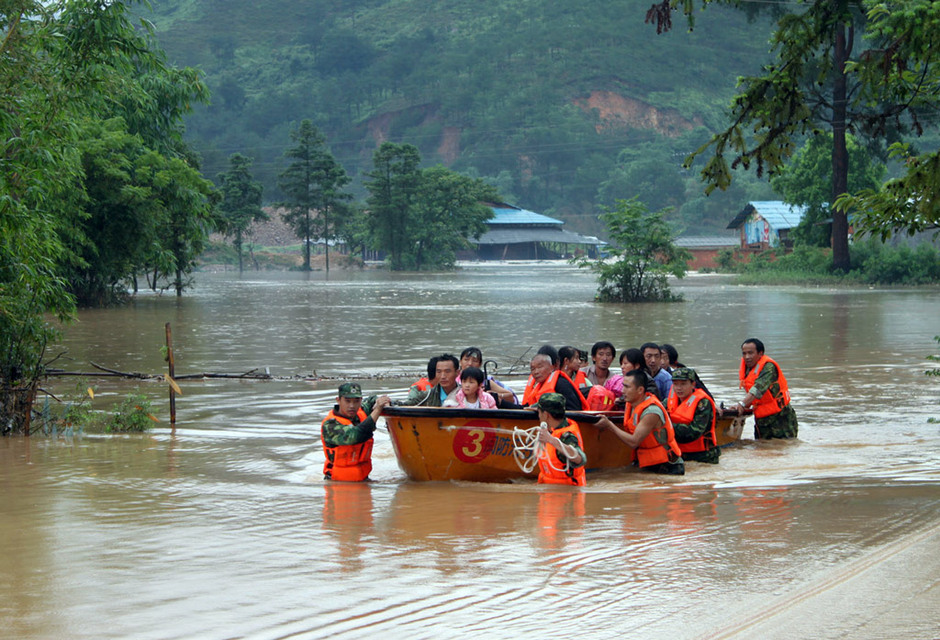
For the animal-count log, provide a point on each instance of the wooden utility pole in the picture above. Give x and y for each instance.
(171, 370)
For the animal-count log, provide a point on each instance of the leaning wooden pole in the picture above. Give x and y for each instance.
(171, 371)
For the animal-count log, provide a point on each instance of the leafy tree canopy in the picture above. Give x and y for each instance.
(643, 253)
(807, 181)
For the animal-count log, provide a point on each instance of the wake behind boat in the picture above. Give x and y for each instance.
(435, 444)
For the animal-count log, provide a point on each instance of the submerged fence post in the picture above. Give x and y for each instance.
(171, 372)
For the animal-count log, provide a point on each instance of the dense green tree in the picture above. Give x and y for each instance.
(393, 187)
(314, 185)
(448, 212)
(807, 181)
(644, 255)
(807, 88)
(62, 65)
(907, 72)
(241, 201)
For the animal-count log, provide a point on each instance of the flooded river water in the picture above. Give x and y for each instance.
(224, 528)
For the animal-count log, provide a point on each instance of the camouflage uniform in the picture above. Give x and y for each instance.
(701, 422)
(430, 398)
(779, 425)
(336, 434)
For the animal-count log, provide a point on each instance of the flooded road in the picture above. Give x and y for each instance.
(223, 527)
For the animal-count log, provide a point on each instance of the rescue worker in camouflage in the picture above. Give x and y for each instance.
(767, 393)
(692, 413)
(346, 434)
(564, 459)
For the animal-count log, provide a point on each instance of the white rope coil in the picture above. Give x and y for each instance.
(527, 450)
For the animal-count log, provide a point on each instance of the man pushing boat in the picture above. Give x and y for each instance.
(346, 434)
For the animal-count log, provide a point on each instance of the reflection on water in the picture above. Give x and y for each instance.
(224, 528)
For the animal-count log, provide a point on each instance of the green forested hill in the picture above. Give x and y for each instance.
(564, 106)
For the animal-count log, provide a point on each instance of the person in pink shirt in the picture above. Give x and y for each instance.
(471, 394)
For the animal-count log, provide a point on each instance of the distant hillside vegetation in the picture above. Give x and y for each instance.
(563, 106)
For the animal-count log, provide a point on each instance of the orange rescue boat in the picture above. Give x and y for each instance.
(434, 444)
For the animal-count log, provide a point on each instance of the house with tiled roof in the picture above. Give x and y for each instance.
(765, 224)
(519, 234)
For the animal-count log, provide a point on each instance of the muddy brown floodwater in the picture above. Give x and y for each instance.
(224, 528)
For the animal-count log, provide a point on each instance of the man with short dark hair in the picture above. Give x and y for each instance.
(646, 428)
(445, 387)
(653, 356)
(346, 434)
(767, 393)
(602, 354)
(693, 416)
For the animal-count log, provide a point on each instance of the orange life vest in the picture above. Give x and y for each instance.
(600, 399)
(580, 380)
(423, 384)
(347, 462)
(535, 391)
(767, 404)
(684, 412)
(660, 445)
(549, 468)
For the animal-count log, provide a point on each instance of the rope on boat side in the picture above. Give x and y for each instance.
(527, 450)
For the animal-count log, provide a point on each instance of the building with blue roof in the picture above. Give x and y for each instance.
(764, 224)
(519, 234)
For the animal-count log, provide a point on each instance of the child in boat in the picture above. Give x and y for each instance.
(471, 394)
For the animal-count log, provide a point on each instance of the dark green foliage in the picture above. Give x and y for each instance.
(644, 253)
(421, 218)
(871, 263)
(314, 184)
(807, 181)
(393, 188)
(241, 201)
(495, 90)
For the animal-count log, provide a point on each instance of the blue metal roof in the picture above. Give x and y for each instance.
(508, 214)
(778, 214)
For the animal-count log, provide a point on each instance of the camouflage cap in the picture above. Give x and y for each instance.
(684, 373)
(552, 402)
(350, 390)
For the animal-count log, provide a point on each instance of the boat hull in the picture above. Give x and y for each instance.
(435, 444)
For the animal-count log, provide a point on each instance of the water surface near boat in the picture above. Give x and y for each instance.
(223, 526)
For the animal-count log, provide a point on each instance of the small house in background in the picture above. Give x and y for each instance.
(766, 224)
(518, 234)
(704, 249)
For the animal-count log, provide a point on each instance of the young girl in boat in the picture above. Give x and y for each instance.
(471, 394)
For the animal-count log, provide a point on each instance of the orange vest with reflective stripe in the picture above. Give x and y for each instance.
(684, 412)
(549, 466)
(535, 391)
(660, 445)
(347, 462)
(580, 380)
(767, 404)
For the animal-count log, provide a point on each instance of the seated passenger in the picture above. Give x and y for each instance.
(693, 415)
(653, 355)
(571, 363)
(426, 383)
(546, 378)
(471, 395)
(473, 357)
(602, 353)
(445, 388)
(632, 360)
